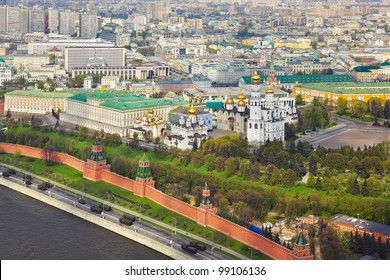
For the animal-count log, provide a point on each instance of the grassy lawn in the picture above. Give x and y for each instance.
(73, 178)
(367, 119)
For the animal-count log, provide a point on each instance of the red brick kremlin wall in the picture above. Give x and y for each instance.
(202, 216)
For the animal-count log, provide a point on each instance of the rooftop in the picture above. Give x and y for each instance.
(349, 88)
(38, 93)
(147, 103)
(368, 68)
(361, 224)
(290, 79)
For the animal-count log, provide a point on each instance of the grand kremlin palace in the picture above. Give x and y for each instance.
(348, 91)
(98, 110)
(116, 113)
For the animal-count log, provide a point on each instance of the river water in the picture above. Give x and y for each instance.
(32, 230)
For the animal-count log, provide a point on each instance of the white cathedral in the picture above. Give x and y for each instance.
(261, 117)
(266, 119)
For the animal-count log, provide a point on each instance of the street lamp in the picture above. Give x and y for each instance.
(251, 251)
(175, 224)
(358, 216)
(32, 168)
(82, 184)
(212, 236)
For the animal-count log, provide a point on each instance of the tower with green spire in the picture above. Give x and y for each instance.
(144, 172)
(301, 250)
(96, 162)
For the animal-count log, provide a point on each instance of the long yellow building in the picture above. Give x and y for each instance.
(348, 91)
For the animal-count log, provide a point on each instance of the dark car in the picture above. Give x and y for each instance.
(96, 209)
(198, 246)
(189, 248)
(81, 201)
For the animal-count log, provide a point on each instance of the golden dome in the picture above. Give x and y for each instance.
(241, 96)
(230, 101)
(255, 78)
(192, 110)
(151, 112)
(269, 91)
(241, 103)
(102, 89)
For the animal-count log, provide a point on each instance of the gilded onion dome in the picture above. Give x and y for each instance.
(269, 91)
(230, 101)
(151, 112)
(241, 103)
(255, 78)
(241, 96)
(192, 110)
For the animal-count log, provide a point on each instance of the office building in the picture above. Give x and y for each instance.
(94, 57)
(67, 22)
(36, 20)
(88, 26)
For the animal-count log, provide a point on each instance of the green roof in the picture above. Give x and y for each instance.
(290, 79)
(2, 60)
(214, 104)
(38, 93)
(350, 88)
(144, 158)
(102, 95)
(130, 97)
(301, 241)
(147, 103)
(144, 172)
(365, 69)
(387, 63)
(79, 97)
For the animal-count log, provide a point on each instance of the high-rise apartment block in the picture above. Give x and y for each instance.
(36, 20)
(88, 26)
(53, 20)
(67, 22)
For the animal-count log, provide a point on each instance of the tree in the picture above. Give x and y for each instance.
(8, 115)
(48, 154)
(375, 186)
(358, 109)
(40, 84)
(386, 111)
(342, 105)
(355, 187)
(318, 184)
(223, 204)
(83, 134)
(375, 107)
(365, 188)
(299, 100)
(135, 135)
(313, 164)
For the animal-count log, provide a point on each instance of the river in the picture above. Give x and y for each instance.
(32, 230)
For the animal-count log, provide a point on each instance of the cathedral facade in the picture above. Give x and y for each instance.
(267, 119)
(259, 118)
